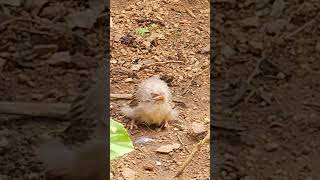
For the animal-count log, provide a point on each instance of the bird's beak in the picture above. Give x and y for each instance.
(159, 98)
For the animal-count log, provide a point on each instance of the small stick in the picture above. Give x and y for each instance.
(313, 105)
(246, 100)
(185, 147)
(189, 12)
(302, 27)
(143, 20)
(160, 63)
(256, 69)
(121, 96)
(184, 165)
(34, 109)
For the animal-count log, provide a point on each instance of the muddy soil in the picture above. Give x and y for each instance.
(176, 48)
(48, 52)
(267, 83)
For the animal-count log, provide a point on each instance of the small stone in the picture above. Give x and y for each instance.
(168, 148)
(128, 174)
(158, 163)
(128, 80)
(60, 57)
(198, 128)
(148, 167)
(136, 67)
(281, 76)
(271, 147)
(205, 49)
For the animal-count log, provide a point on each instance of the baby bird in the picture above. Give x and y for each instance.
(151, 104)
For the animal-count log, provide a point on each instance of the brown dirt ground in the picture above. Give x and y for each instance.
(182, 38)
(279, 110)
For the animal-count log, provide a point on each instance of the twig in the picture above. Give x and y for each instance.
(34, 109)
(246, 100)
(256, 69)
(302, 27)
(182, 103)
(240, 94)
(312, 105)
(189, 11)
(159, 63)
(184, 165)
(143, 20)
(121, 96)
(184, 146)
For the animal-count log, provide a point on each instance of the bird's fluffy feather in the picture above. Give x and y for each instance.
(144, 110)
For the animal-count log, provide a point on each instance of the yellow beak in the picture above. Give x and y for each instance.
(159, 98)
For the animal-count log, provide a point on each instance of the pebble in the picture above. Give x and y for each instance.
(128, 80)
(271, 147)
(148, 167)
(158, 163)
(143, 140)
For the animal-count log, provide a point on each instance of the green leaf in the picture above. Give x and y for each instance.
(142, 31)
(120, 142)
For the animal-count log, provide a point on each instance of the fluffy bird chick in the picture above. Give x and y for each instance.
(151, 104)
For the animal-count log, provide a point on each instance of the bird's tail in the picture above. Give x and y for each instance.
(127, 111)
(57, 157)
(174, 114)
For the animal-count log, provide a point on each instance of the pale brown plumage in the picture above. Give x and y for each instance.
(151, 103)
